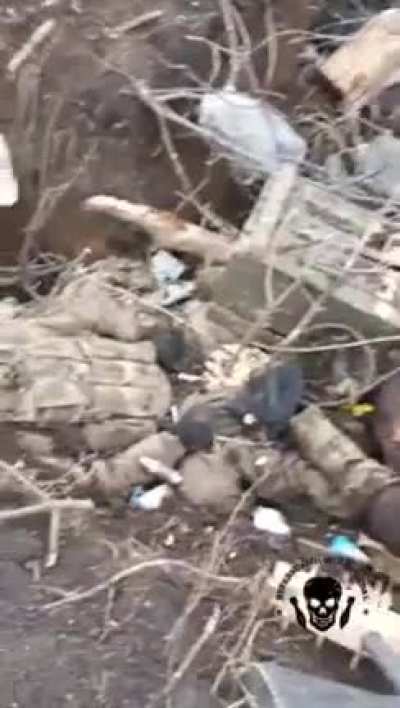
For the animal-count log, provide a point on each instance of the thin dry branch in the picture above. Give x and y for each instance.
(209, 629)
(163, 563)
(137, 22)
(38, 36)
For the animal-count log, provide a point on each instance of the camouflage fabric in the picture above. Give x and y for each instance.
(76, 359)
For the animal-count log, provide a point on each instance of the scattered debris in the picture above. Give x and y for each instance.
(378, 162)
(231, 365)
(341, 546)
(151, 499)
(166, 268)
(271, 520)
(37, 38)
(251, 131)
(369, 62)
(9, 187)
(175, 293)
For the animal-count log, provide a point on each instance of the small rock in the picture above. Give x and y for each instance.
(207, 481)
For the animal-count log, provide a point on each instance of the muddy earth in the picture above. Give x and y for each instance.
(77, 128)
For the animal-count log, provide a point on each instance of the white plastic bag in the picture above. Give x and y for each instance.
(257, 136)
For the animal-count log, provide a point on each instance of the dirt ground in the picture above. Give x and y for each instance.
(123, 643)
(77, 126)
(118, 648)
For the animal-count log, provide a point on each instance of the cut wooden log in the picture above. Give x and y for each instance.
(369, 62)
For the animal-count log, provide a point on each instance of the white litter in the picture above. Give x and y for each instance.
(152, 499)
(166, 268)
(271, 520)
(257, 136)
(9, 189)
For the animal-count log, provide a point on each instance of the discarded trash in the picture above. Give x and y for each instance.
(231, 365)
(379, 160)
(151, 499)
(271, 520)
(257, 136)
(369, 62)
(273, 397)
(343, 547)
(9, 189)
(173, 293)
(273, 686)
(359, 409)
(166, 268)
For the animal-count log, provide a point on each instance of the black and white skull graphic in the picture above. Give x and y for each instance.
(322, 595)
